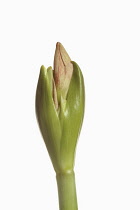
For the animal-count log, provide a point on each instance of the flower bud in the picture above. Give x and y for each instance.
(60, 103)
(63, 69)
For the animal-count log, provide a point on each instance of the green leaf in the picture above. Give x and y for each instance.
(71, 118)
(47, 115)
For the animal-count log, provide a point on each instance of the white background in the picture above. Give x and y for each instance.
(103, 37)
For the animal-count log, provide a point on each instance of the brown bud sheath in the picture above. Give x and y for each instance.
(63, 70)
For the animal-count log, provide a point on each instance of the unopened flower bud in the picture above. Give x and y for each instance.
(63, 70)
(60, 108)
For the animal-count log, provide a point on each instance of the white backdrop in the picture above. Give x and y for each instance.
(103, 37)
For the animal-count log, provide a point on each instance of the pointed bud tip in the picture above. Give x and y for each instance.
(58, 43)
(58, 46)
(61, 51)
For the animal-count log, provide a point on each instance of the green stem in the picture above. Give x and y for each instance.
(67, 191)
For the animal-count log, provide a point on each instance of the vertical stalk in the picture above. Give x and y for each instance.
(67, 191)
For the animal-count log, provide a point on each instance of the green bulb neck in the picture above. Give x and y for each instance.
(67, 190)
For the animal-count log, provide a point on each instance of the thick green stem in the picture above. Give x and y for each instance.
(67, 191)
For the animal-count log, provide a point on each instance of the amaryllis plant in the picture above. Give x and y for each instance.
(60, 100)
